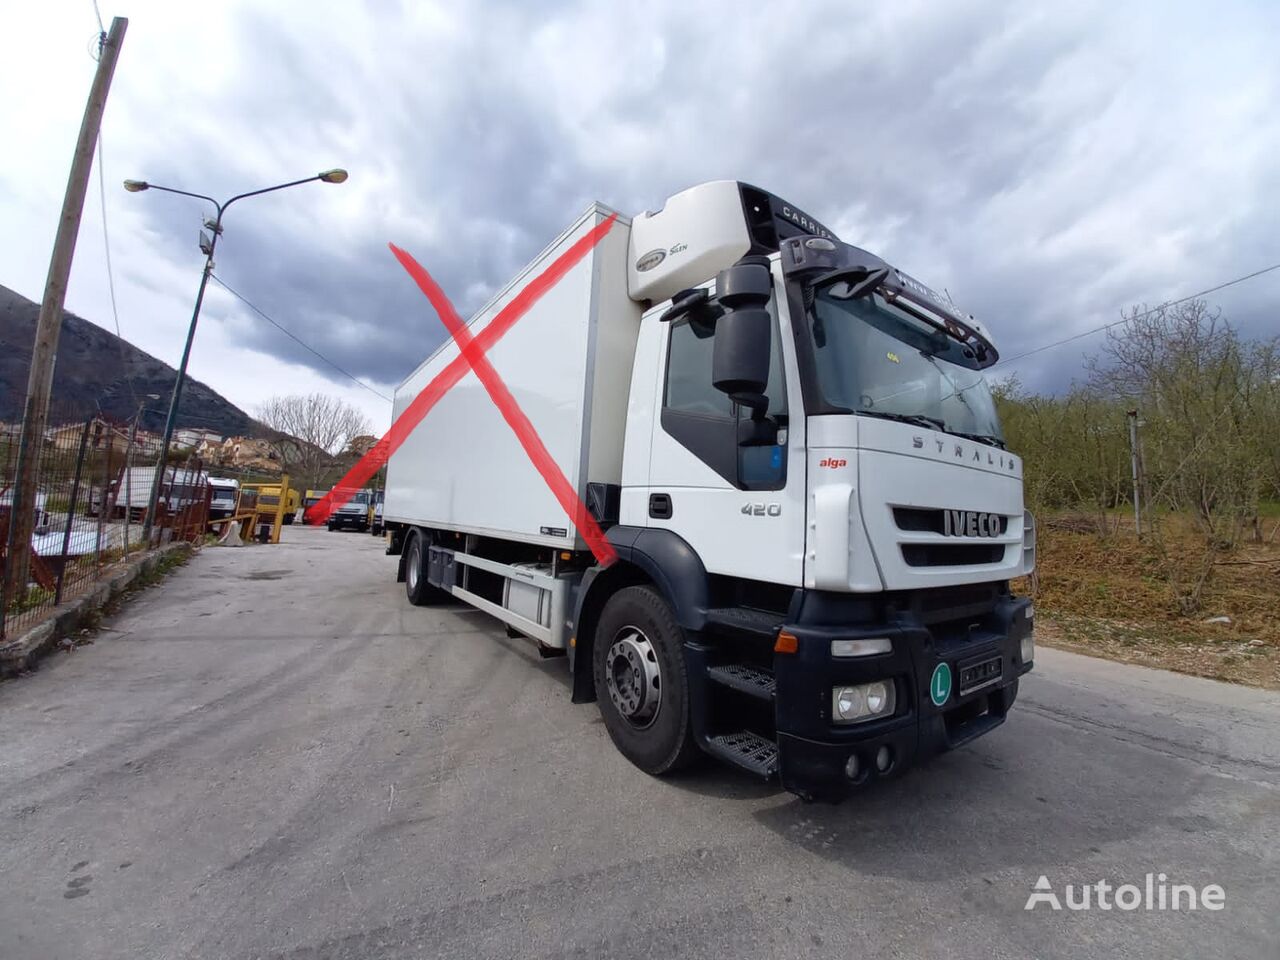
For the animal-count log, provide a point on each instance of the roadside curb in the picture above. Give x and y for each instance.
(21, 653)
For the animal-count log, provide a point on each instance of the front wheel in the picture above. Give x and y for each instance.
(641, 681)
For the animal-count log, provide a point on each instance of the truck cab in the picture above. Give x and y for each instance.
(352, 512)
(224, 495)
(813, 433)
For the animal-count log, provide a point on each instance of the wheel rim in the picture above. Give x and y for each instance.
(633, 677)
(412, 572)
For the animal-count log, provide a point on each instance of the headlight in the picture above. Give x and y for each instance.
(865, 701)
(1028, 650)
(865, 647)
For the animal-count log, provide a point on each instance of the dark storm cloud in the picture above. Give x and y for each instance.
(988, 149)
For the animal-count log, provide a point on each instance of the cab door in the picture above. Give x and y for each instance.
(740, 506)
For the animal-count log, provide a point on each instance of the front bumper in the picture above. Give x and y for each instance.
(360, 521)
(814, 752)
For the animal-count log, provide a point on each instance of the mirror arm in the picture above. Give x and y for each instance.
(685, 301)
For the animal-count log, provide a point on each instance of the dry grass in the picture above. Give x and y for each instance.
(1149, 601)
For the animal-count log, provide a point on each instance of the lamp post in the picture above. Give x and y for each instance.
(137, 186)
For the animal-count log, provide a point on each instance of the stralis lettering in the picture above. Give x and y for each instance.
(983, 454)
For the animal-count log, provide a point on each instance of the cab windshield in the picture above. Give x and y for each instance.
(878, 360)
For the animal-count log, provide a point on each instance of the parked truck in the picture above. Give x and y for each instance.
(794, 455)
(131, 490)
(351, 511)
(309, 500)
(225, 495)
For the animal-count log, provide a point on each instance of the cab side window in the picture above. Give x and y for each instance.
(705, 421)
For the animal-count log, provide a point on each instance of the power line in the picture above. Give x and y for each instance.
(292, 336)
(106, 236)
(1139, 316)
(111, 278)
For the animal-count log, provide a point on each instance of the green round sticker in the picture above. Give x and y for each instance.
(940, 685)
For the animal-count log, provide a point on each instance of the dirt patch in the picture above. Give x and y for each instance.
(1171, 602)
(1250, 662)
(266, 575)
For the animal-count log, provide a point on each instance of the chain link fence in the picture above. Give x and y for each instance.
(95, 479)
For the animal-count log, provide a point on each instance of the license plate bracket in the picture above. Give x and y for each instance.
(978, 673)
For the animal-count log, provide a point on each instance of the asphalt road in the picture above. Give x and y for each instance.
(273, 754)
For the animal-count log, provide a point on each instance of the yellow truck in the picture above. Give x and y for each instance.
(269, 496)
(310, 499)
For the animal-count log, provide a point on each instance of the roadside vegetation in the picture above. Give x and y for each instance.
(1197, 589)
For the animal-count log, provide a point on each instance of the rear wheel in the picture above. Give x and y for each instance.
(416, 588)
(641, 682)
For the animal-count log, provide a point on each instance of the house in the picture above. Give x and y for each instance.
(103, 436)
(242, 452)
(191, 437)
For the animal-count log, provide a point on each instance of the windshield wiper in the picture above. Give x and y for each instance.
(980, 438)
(917, 419)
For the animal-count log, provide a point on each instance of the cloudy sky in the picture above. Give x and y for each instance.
(1047, 163)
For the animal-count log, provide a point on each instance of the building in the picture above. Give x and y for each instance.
(103, 436)
(191, 437)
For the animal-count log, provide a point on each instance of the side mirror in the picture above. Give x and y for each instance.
(740, 360)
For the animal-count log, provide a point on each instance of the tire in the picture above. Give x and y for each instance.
(288, 519)
(331, 527)
(637, 628)
(416, 588)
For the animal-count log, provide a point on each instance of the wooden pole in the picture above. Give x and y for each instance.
(44, 352)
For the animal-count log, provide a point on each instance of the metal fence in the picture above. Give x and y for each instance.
(95, 480)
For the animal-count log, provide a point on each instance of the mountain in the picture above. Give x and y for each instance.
(98, 371)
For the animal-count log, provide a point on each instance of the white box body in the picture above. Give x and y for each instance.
(567, 362)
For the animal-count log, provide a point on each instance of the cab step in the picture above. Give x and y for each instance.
(753, 681)
(757, 623)
(747, 750)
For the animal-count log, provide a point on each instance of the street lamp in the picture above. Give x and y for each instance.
(336, 175)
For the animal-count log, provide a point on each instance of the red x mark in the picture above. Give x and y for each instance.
(471, 356)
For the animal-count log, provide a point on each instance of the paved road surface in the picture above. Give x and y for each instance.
(273, 754)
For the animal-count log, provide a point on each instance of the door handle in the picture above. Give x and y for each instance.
(660, 506)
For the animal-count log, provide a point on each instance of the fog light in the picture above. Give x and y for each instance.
(1028, 648)
(884, 759)
(866, 701)
(865, 647)
(852, 768)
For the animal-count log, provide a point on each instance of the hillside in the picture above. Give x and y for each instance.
(94, 371)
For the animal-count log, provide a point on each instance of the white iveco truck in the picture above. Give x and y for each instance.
(794, 453)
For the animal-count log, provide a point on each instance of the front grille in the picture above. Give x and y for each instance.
(953, 603)
(951, 554)
(921, 520)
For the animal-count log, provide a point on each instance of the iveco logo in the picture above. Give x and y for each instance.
(968, 523)
(650, 260)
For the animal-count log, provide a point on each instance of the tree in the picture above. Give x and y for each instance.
(1186, 370)
(312, 432)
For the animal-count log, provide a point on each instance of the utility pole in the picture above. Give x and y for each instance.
(44, 352)
(1136, 462)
